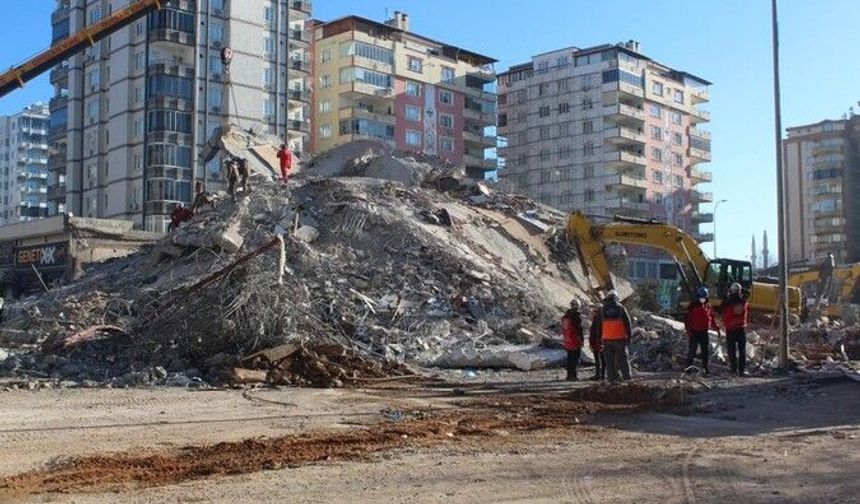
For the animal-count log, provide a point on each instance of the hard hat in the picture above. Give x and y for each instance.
(613, 294)
(702, 292)
(575, 304)
(735, 288)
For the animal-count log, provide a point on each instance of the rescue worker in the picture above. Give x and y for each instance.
(244, 170)
(615, 329)
(201, 197)
(700, 319)
(735, 314)
(596, 344)
(286, 159)
(232, 169)
(179, 215)
(571, 329)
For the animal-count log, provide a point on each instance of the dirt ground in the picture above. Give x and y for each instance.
(505, 437)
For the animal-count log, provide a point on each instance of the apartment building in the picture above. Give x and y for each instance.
(608, 130)
(382, 81)
(131, 114)
(822, 173)
(24, 165)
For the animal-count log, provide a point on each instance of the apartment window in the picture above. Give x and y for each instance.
(448, 74)
(138, 61)
(522, 97)
(679, 181)
(413, 138)
(543, 67)
(217, 5)
(588, 149)
(677, 139)
(216, 32)
(679, 96)
(369, 51)
(93, 78)
(658, 177)
(413, 113)
(544, 155)
(138, 28)
(563, 108)
(325, 131)
(564, 129)
(446, 144)
(446, 121)
(656, 133)
(677, 159)
(446, 97)
(542, 89)
(214, 97)
(676, 117)
(93, 110)
(138, 127)
(587, 103)
(95, 15)
(587, 127)
(588, 171)
(413, 88)
(268, 107)
(325, 106)
(654, 110)
(544, 111)
(543, 132)
(268, 46)
(562, 85)
(325, 55)
(325, 80)
(562, 61)
(138, 94)
(416, 64)
(522, 160)
(656, 154)
(657, 88)
(269, 14)
(589, 195)
(564, 152)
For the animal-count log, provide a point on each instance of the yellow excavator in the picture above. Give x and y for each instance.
(816, 282)
(696, 269)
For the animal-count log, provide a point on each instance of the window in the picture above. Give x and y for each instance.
(93, 79)
(563, 108)
(168, 120)
(562, 61)
(587, 127)
(658, 177)
(656, 133)
(657, 88)
(413, 88)
(654, 110)
(174, 86)
(677, 139)
(676, 117)
(325, 131)
(543, 133)
(564, 152)
(269, 14)
(589, 195)
(677, 159)
(413, 113)
(138, 94)
(268, 78)
(216, 32)
(679, 96)
(542, 89)
(543, 67)
(587, 103)
(214, 97)
(588, 149)
(325, 55)
(416, 64)
(522, 97)
(268, 46)
(413, 137)
(544, 155)
(446, 144)
(679, 181)
(564, 130)
(522, 160)
(448, 74)
(446, 121)
(95, 15)
(268, 107)
(656, 154)
(138, 61)
(93, 110)
(325, 80)
(588, 171)
(446, 97)
(562, 85)
(369, 51)
(544, 111)
(325, 106)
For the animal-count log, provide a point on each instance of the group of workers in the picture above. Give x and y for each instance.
(611, 330)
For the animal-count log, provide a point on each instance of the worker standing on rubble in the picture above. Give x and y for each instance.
(615, 329)
(571, 328)
(244, 174)
(179, 215)
(232, 169)
(596, 344)
(735, 313)
(700, 319)
(286, 159)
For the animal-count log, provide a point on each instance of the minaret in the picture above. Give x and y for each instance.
(764, 251)
(753, 256)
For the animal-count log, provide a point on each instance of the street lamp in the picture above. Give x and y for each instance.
(716, 205)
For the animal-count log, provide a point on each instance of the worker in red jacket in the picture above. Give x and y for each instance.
(571, 329)
(735, 312)
(700, 319)
(595, 341)
(179, 215)
(286, 159)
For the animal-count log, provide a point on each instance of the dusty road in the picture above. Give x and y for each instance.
(762, 441)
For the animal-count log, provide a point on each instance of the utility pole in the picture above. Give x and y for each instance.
(716, 206)
(780, 188)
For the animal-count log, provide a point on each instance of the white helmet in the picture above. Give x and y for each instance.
(575, 304)
(735, 288)
(612, 294)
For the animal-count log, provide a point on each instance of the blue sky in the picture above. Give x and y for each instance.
(724, 41)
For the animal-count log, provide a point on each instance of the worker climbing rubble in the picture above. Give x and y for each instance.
(700, 319)
(571, 328)
(735, 314)
(614, 326)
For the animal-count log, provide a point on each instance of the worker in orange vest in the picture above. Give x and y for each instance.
(615, 329)
(571, 329)
(286, 160)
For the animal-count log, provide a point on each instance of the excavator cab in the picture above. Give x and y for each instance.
(722, 273)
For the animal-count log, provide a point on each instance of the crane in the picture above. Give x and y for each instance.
(695, 268)
(17, 76)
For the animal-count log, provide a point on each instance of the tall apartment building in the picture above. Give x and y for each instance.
(131, 114)
(608, 130)
(382, 81)
(24, 165)
(822, 173)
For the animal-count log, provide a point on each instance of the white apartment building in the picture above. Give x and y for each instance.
(609, 131)
(24, 165)
(131, 115)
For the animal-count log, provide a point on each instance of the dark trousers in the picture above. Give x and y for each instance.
(572, 363)
(599, 365)
(736, 339)
(616, 359)
(698, 339)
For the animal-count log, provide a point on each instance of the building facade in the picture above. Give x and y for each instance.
(382, 81)
(24, 165)
(609, 131)
(131, 114)
(822, 174)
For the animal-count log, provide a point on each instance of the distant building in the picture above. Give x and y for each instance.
(384, 82)
(24, 165)
(822, 173)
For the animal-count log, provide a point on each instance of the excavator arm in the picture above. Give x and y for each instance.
(849, 275)
(695, 267)
(17, 76)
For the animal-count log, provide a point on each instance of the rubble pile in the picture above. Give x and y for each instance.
(371, 271)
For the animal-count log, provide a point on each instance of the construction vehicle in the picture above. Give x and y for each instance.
(17, 76)
(694, 266)
(817, 286)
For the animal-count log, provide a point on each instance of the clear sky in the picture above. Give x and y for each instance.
(724, 41)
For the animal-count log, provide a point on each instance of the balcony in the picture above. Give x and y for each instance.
(622, 182)
(626, 206)
(699, 116)
(167, 102)
(698, 155)
(301, 36)
(302, 125)
(171, 35)
(170, 137)
(299, 95)
(300, 66)
(703, 237)
(56, 193)
(479, 139)
(360, 90)
(485, 118)
(60, 14)
(363, 113)
(624, 160)
(705, 135)
(624, 114)
(702, 217)
(473, 161)
(301, 6)
(58, 132)
(624, 136)
(699, 176)
(622, 91)
(699, 95)
(701, 197)
(59, 74)
(826, 149)
(58, 103)
(171, 69)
